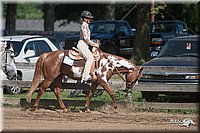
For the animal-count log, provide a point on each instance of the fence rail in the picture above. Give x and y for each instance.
(27, 84)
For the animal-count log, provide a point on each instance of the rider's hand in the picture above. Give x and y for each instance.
(96, 45)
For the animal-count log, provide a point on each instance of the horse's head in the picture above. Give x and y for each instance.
(7, 61)
(132, 77)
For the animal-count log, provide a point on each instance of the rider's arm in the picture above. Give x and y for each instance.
(86, 36)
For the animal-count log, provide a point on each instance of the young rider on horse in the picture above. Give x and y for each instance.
(83, 43)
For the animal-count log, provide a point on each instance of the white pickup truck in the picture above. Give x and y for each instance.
(27, 49)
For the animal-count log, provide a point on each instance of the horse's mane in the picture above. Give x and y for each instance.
(106, 55)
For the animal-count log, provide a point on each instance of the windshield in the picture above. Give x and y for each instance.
(162, 27)
(17, 46)
(56, 43)
(181, 49)
(103, 27)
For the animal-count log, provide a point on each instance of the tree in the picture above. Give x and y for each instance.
(49, 17)
(110, 9)
(11, 18)
(141, 44)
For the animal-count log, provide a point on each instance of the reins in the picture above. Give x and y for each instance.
(118, 72)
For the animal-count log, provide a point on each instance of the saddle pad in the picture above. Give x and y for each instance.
(68, 61)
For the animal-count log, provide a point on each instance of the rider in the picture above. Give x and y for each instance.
(83, 45)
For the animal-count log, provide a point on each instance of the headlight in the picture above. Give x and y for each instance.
(192, 77)
(158, 48)
(146, 76)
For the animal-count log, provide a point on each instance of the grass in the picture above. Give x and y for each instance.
(119, 95)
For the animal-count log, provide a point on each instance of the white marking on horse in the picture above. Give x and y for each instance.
(76, 71)
(103, 63)
(115, 62)
(120, 63)
(61, 55)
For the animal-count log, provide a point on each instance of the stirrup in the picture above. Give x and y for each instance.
(90, 79)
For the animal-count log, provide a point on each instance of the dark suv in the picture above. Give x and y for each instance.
(176, 70)
(116, 37)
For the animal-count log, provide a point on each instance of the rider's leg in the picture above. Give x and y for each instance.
(84, 49)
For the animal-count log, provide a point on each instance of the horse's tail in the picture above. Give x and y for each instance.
(37, 76)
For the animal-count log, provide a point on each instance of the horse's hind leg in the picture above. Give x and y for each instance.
(57, 86)
(43, 87)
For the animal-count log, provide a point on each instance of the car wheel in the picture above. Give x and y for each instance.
(14, 89)
(74, 93)
(109, 49)
(150, 96)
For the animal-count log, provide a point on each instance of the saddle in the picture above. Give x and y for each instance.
(75, 55)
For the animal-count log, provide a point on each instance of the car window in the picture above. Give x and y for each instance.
(163, 27)
(55, 42)
(102, 27)
(30, 46)
(181, 28)
(43, 47)
(124, 28)
(180, 48)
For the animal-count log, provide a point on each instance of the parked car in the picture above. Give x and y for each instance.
(176, 70)
(58, 35)
(27, 49)
(162, 31)
(115, 36)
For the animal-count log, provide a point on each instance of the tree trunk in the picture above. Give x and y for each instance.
(142, 42)
(198, 20)
(11, 18)
(110, 12)
(49, 17)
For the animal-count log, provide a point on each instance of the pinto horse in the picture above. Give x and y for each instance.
(54, 65)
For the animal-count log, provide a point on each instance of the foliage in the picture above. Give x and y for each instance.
(182, 11)
(187, 12)
(29, 11)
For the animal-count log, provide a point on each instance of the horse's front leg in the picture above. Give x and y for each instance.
(57, 86)
(111, 93)
(90, 94)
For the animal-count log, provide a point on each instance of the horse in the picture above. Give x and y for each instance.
(54, 65)
(8, 61)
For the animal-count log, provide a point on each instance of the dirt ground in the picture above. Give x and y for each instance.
(15, 119)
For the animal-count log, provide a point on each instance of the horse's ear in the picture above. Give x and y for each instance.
(140, 72)
(140, 69)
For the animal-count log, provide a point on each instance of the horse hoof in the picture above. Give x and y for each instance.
(65, 111)
(28, 99)
(116, 111)
(34, 109)
(88, 111)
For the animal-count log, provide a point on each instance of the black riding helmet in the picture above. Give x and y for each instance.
(86, 14)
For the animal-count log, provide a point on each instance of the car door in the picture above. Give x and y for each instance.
(126, 41)
(37, 47)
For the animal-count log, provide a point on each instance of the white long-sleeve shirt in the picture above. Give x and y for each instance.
(85, 33)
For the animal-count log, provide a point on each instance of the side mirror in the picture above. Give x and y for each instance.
(184, 30)
(29, 53)
(133, 30)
